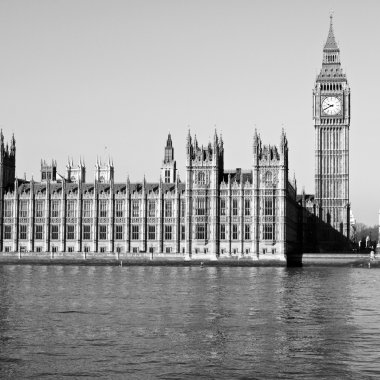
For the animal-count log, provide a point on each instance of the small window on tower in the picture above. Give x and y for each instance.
(167, 176)
(201, 178)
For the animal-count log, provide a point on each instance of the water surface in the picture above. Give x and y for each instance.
(189, 322)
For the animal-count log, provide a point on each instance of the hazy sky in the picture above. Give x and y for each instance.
(97, 78)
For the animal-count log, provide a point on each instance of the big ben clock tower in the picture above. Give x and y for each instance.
(331, 113)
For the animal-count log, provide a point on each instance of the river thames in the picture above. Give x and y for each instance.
(189, 322)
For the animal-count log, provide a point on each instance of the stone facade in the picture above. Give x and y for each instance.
(216, 213)
(331, 110)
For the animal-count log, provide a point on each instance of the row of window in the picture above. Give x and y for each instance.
(201, 205)
(235, 210)
(200, 232)
(268, 232)
(268, 203)
(87, 229)
(87, 208)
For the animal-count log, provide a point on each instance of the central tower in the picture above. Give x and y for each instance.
(331, 114)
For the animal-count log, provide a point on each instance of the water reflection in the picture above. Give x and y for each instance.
(173, 322)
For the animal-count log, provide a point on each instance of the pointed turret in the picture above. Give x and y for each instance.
(330, 42)
(168, 169)
(144, 183)
(256, 143)
(284, 141)
(128, 185)
(215, 139)
(13, 145)
(169, 150)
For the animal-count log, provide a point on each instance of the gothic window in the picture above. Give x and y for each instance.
(119, 208)
(222, 206)
(39, 231)
(135, 208)
(268, 179)
(183, 208)
(234, 207)
(71, 209)
(70, 232)
(23, 211)
(103, 208)
(119, 232)
(183, 232)
(201, 178)
(103, 232)
(86, 232)
(152, 208)
(268, 206)
(7, 232)
(43, 176)
(234, 232)
(8, 208)
(268, 231)
(247, 207)
(23, 232)
(135, 232)
(200, 232)
(54, 232)
(87, 208)
(200, 206)
(151, 232)
(39, 209)
(247, 232)
(168, 209)
(167, 176)
(168, 232)
(222, 232)
(55, 209)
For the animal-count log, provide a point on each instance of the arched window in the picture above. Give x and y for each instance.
(268, 178)
(201, 178)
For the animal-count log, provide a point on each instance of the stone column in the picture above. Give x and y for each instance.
(31, 217)
(47, 217)
(15, 217)
(160, 218)
(63, 218)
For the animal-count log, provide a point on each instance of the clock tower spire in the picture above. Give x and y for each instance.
(331, 114)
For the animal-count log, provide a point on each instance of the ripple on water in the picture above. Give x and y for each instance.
(168, 322)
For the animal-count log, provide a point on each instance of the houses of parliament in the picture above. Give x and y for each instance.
(253, 212)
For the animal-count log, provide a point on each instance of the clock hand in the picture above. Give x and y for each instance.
(330, 105)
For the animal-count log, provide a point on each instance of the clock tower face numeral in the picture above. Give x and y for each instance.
(331, 106)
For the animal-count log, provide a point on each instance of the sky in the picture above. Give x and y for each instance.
(107, 78)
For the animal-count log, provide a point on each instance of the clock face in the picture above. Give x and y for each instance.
(331, 105)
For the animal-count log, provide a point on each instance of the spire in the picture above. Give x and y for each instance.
(331, 66)
(13, 144)
(188, 143)
(215, 139)
(330, 42)
(195, 142)
(169, 143)
(169, 150)
(284, 141)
